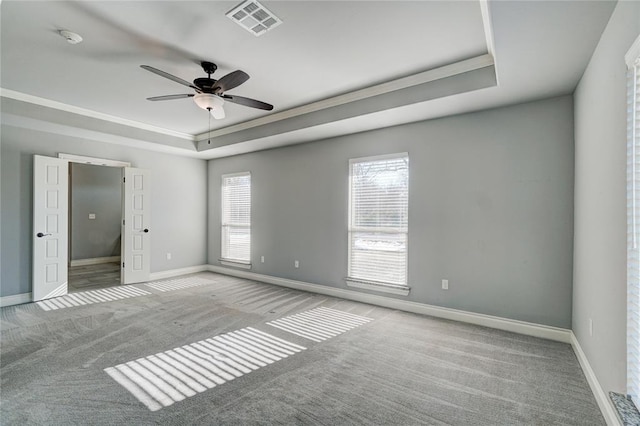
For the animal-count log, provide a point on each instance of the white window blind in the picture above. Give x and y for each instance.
(378, 219)
(633, 222)
(236, 217)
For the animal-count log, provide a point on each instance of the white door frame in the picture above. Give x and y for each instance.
(72, 158)
(82, 159)
(135, 249)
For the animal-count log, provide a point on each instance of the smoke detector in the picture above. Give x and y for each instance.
(254, 17)
(72, 38)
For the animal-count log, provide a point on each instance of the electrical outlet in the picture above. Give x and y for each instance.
(590, 327)
(92, 216)
(296, 264)
(261, 259)
(445, 284)
(168, 256)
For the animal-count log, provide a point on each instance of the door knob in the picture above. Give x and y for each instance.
(40, 235)
(145, 230)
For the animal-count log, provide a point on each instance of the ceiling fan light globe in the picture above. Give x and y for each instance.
(208, 101)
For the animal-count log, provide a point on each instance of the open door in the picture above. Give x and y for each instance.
(50, 224)
(136, 208)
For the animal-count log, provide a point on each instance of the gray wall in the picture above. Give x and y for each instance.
(490, 209)
(600, 201)
(178, 201)
(97, 190)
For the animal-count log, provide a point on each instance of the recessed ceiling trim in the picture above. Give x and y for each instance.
(488, 32)
(456, 68)
(93, 135)
(18, 96)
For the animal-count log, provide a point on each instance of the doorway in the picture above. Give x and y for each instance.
(95, 212)
(51, 234)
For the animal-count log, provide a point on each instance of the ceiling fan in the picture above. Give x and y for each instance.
(210, 93)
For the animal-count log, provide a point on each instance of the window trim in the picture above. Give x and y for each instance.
(238, 263)
(379, 286)
(632, 59)
(633, 54)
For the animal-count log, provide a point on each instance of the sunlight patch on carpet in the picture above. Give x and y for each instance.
(320, 323)
(90, 297)
(168, 377)
(179, 283)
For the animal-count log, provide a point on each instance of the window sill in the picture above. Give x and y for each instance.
(376, 286)
(235, 263)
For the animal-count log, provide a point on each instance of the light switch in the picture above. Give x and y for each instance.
(92, 215)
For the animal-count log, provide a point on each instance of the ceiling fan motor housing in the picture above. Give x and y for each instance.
(205, 84)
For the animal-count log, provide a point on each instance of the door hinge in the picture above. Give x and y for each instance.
(123, 264)
(124, 179)
(122, 222)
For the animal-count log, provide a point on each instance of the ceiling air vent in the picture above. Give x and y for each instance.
(254, 17)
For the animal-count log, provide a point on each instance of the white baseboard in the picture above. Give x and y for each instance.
(94, 261)
(176, 272)
(603, 400)
(521, 327)
(16, 299)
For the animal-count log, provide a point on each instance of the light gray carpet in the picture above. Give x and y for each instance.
(396, 369)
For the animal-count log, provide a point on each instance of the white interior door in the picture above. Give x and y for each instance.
(50, 226)
(136, 208)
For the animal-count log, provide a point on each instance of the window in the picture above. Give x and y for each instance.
(236, 218)
(378, 223)
(633, 217)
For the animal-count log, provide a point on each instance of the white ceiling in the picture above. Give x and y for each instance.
(323, 49)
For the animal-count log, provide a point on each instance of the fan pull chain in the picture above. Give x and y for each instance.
(209, 110)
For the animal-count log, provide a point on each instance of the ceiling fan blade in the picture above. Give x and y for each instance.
(229, 81)
(217, 113)
(169, 97)
(169, 76)
(241, 100)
